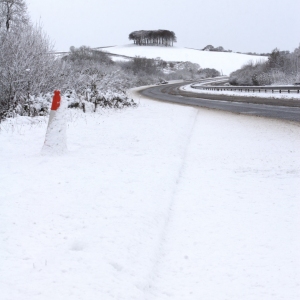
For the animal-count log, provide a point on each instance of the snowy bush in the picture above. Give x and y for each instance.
(91, 98)
(33, 106)
(29, 105)
(282, 67)
(27, 70)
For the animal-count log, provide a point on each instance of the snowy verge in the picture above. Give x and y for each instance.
(157, 202)
(292, 95)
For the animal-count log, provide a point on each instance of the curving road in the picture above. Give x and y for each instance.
(278, 109)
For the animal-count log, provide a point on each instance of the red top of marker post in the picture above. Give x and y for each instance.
(56, 100)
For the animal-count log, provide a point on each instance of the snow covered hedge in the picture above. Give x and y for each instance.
(90, 99)
(29, 105)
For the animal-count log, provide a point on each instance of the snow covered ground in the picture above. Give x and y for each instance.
(156, 202)
(221, 61)
(292, 95)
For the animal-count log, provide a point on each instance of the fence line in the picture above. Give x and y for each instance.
(251, 89)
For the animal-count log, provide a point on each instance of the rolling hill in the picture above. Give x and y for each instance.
(225, 62)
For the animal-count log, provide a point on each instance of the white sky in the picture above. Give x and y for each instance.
(238, 25)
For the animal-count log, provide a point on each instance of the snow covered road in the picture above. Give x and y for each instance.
(159, 202)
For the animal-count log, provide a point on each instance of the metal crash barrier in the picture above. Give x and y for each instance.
(252, 89)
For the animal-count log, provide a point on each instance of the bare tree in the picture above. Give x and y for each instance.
(13, 13)
(26, 67)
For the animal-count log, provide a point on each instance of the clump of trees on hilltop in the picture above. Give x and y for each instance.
(153, 37)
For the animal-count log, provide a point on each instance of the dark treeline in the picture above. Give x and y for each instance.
(153, 37)
(216, 49)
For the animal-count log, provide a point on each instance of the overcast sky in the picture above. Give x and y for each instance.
(239, 25)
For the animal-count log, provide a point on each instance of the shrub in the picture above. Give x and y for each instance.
(26, 68)
(282, 67)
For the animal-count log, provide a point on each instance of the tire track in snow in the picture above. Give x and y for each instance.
(164, 231)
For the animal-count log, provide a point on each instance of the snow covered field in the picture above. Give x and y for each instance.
(157, 202)
(221, 61)
(293, 95)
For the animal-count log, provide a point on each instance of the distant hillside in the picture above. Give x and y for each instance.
(224, 62)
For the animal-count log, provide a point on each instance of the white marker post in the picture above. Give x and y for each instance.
(55, 141)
